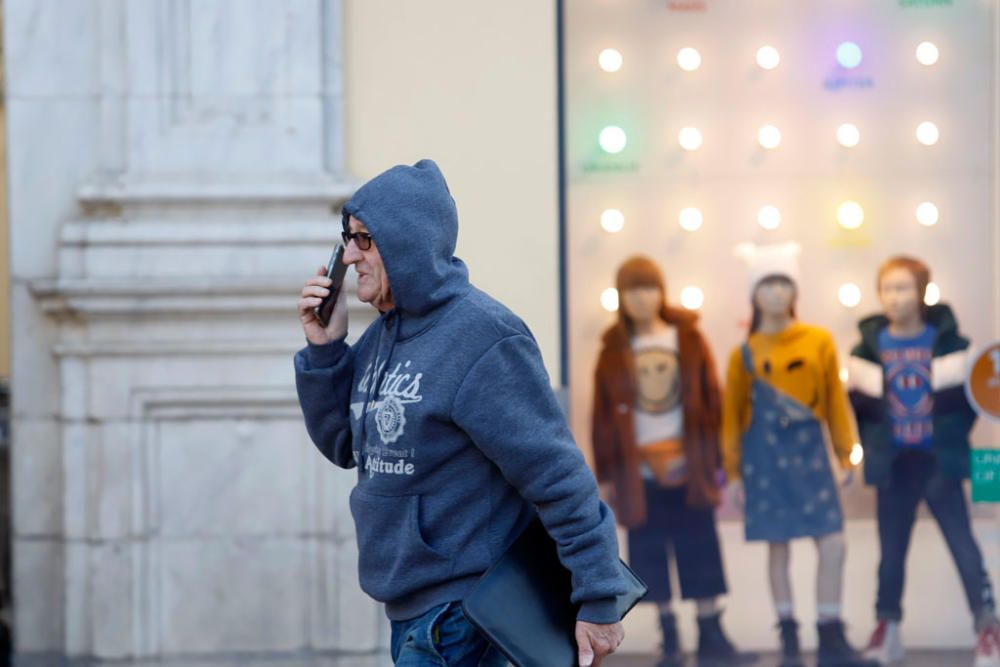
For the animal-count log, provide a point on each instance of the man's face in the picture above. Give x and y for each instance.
(641, 304)
(373, 282)
(775, 297)
(897, 291)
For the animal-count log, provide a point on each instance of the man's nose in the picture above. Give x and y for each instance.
(351, 253)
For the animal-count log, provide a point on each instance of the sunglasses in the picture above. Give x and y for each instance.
(363, 239)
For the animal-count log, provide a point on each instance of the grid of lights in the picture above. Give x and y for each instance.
(850, 214)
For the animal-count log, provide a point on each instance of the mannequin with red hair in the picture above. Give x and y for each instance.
(657, 410)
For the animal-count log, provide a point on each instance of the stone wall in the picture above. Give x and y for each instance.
(175, 171)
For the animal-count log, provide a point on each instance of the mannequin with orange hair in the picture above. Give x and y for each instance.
(656, 450)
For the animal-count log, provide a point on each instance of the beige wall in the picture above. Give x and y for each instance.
(473, 86)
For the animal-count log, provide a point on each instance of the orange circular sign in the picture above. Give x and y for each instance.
(983, 383)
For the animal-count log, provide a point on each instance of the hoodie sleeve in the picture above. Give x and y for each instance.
(323, 377)
(505, 404)
(735, 415)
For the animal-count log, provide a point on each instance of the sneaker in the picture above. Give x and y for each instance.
(885, 646)
(988, 647)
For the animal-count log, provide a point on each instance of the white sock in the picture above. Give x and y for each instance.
(828, 612)
(784, 609)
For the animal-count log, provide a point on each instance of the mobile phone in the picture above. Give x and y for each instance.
(335, 271)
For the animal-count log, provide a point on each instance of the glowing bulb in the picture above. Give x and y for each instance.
(927, 133)
(690, 219)
(857, 454)
(769, 137)
(927, 53)
(612, 220)
(689, 59)
(844, 374)
(613, 139)
(849, 294)
(932, 295)
(692, 297)
(848, 135)
(689, 138)
(850, 215)
(767, 57)
(849, 55)
(769, 217)
(610, 60)
(927, 214)
(609, 299)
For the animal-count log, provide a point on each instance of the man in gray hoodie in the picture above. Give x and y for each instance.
(445, 408)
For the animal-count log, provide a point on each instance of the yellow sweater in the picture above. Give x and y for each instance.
(801, 362)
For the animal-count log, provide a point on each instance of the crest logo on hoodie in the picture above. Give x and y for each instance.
(396, 390)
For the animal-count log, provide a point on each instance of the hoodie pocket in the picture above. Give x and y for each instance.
(394, 560)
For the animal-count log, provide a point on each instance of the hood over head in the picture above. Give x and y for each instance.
(412, 217)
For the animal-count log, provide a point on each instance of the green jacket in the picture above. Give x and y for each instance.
(953, 416)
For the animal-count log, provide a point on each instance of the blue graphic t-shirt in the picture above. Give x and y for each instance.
(909, 392)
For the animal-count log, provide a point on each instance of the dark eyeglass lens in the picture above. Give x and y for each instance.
(363, 240)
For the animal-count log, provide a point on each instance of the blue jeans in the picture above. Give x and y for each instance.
(915, 478)
(442, 637)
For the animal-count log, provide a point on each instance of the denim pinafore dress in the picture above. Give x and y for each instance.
(789, 486)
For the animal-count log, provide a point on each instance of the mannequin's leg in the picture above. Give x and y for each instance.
(830, 576)
(778, 564)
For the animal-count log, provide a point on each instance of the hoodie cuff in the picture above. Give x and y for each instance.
(326, 356)
(603, 611)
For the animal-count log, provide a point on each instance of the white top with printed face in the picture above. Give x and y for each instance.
(659, 413)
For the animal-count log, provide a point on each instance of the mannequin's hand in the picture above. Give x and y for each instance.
(735, 494)
(846, 477)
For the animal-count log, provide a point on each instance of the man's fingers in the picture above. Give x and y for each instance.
(322, 281)
(307, 304)
(586, 652)
(314, 290)
(321, 271)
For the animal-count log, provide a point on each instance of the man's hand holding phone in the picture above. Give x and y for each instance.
(315, 289)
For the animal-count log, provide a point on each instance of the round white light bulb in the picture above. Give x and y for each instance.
(692, 297)
(849, 55)
(769, 217)
(927, 214)
(769, 137)
(857, 454)
(609, 299)
(613, 139)
(612, 220)
(610, 60)
(689, 59)
(848, 135)
(927, 133)
(849, 295)
(689, 138)
(767, 57)
(690, 219)
(932, 295)
(850, 215)
(927, 53)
